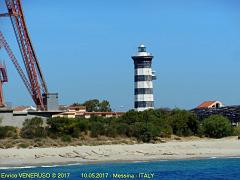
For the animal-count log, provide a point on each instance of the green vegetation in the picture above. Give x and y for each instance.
(146, 126)
(23, 145)
(217, 126)
(8, 131)
(33, 128)
(236, 131)
(94, 105)
(66, 138)
(184, 123)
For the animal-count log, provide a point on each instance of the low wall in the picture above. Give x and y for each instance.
(11, 118)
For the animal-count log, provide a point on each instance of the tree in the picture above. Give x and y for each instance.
(75, 104)
(217, 126)
(92, 105)
(104, 106)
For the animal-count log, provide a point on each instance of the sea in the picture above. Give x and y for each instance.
(201, 169)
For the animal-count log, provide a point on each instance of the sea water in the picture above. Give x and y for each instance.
(212, 168)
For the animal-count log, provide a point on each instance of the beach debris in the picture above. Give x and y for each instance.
(140, 152)
(38, 156)
(97, 153)
(169, 154)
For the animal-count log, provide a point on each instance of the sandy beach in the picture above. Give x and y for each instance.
(196, 148)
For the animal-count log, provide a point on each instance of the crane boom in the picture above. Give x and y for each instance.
(3, 43)
(36, 79)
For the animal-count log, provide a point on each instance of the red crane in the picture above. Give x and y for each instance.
(3, 79)
(35, 82)
(3, 43)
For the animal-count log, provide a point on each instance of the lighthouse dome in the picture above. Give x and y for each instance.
(142, 51)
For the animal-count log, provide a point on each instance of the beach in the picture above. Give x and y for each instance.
(171, 150)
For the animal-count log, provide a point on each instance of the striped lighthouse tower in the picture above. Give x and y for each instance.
(143, 80)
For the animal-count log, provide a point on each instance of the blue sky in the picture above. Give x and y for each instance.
(85, 49)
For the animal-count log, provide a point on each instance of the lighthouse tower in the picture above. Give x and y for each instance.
(143, 80)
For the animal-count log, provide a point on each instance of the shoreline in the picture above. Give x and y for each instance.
(27, 166)
(120, 153)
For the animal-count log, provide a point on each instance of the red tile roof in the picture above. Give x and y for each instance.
(20, 108)
(205, 104)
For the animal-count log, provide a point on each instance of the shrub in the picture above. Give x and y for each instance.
(154, 130)
(145, 131)
(145, 136)
(184, 123)
(217, 126)
(8, 131)
(130, 131)
(33, 128)
(122, 129)
(83, 125)
(131, 117)
(61, 126)
(111, 131)
(236, 131)
(200, 132)
(76, 132)
(52, 135)
(66, 138)
(166, 131)
(23, 145)
(97, 129)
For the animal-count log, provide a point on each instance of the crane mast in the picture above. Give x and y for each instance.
(36, 84)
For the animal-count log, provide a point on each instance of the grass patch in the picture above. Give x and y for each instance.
(23, 145)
